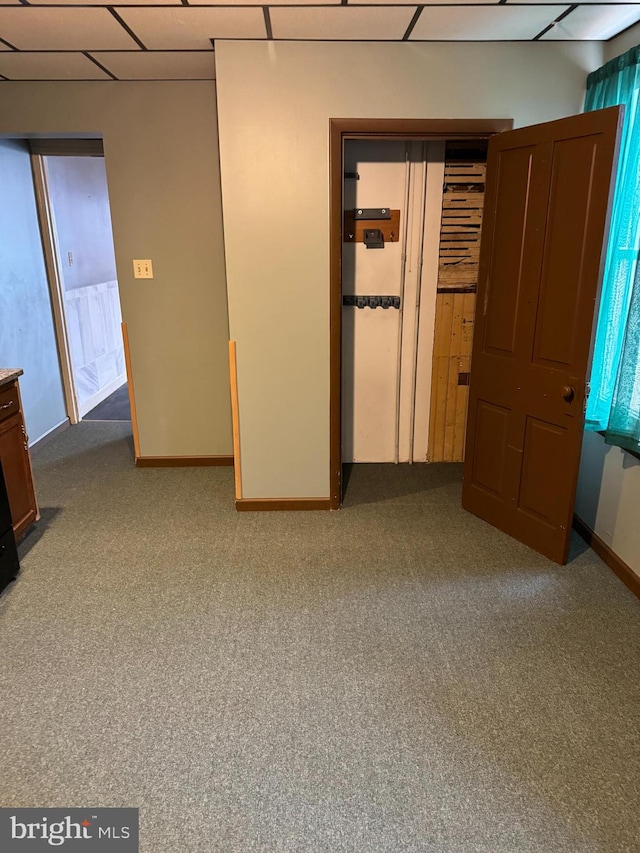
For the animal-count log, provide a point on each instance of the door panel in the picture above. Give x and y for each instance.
(547, 204)
(544, 443)
(490, 440)
(513, 180)
(569, 208)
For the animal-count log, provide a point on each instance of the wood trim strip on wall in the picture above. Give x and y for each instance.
(608, 556)
(132, 396)
(421, 129)
(278, 504)
(183, 461)
(235, 418)
(367, 128)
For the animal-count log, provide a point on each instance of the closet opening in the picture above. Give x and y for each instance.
(404, 275)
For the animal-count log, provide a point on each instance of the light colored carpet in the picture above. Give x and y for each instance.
(397, 676)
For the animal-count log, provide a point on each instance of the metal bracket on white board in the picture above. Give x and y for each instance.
(372, 213)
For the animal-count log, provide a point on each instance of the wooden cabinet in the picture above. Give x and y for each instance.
(16, 462)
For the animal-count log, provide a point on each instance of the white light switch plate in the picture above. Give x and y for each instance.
(142, 269)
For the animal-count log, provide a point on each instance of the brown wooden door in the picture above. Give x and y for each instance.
(546, 215)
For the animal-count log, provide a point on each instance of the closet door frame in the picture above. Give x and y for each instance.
(341, 129)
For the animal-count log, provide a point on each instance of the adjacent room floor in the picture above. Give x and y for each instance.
(396, 676)
(114, 408)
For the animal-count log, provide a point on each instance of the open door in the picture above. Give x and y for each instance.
(546, 216)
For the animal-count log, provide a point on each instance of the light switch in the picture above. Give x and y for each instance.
(142, 269)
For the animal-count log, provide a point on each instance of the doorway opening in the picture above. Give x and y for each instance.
(73, 199)
(392, 298)
(405, 371)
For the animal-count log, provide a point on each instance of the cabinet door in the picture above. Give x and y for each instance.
(14, 455)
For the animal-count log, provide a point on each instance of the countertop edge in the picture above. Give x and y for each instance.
(8, 374)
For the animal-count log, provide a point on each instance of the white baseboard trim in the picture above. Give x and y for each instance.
(101, 395)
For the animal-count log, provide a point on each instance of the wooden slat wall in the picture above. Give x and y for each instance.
(462, 202)
(451, 365)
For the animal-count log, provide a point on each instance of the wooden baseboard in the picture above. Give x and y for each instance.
(608, 556)
(132, 396)
(235, 417)
(281, 504)
(182, 461)
(47, 438)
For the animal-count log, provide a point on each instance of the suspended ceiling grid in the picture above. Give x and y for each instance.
(173, 40)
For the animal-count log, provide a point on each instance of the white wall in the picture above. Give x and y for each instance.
(274, 104)
(375, 381)
(608, 499)
(94, 329)
(80, 198)
(630, 38)
(82, 221)
(160, 144)
(27, 338)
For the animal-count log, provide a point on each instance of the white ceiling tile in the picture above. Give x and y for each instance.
(189, 28)
(424, 2)
(158, 65)
(345, 23)
(263, 3)
(483, 23)
(104, 2)
(49, 66)
(594, 22)
(611, 2)
(30, 28)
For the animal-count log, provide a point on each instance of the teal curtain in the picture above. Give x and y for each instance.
(614, 403)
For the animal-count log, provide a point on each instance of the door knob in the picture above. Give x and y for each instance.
(567, 393)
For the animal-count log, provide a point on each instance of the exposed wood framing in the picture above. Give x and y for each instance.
(449, 380)
(462, 202)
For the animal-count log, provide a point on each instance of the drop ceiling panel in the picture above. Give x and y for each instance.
(426, 2)
(4, 46)
(345, 23)
(30, 28)
(192, 28)
(262, 2)
(483, 23)
(594, 22)
(104, 2)
(607, 2)
(152, 65)
(49, 66)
